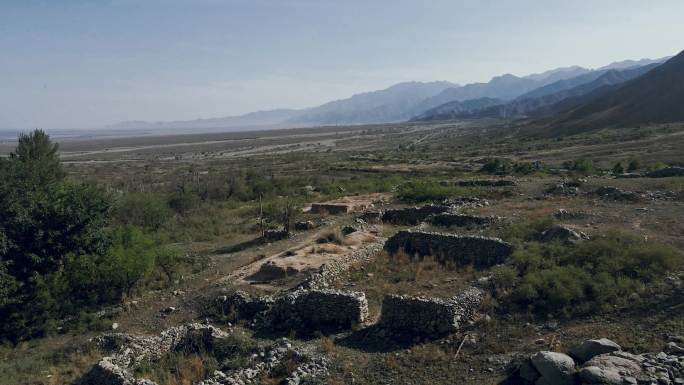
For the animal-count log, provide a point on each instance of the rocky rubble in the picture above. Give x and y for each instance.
(602, 361)
(453, 219)
(461, 249)
(616, 194)
(486, 183)
(563, 234)
(413, 215)
(420, 316)
(127, 351)
(309, 365)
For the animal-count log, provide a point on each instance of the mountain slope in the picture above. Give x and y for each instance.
(454, 109)
(538, 105)
(655, 97)
(270, 118)
(395, 103)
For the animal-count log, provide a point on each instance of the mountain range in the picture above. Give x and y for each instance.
(657, 96)
(408, 100)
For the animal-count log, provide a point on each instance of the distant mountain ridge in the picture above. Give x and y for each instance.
(542, 100)
(655, 97)
(402, 101)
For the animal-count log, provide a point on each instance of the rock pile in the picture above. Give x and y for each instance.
(602, 361)
(453, 219)
(275, 234)
(563, 234)
(304, 225)
(419, 316)
(412, 215)
(564, 187)
(128, 351)
(308, 366)
(371, 216)
(461, 249)
(616, 194)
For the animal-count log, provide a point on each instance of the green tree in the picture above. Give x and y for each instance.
(633, 165)
(37, 148)
(618, 169)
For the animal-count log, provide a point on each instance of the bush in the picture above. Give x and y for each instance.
(580, 166)
(593, 273)
(149, 211)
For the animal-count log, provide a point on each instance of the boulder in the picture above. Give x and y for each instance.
(554, 368)
(562, 234)
(610, 368)
(590, 348)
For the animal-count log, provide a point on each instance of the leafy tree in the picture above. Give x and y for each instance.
(633, 165)
(36, 148)
(618, 169)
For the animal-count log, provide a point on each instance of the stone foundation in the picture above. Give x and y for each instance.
(449, 219)
(312, 310)
(412, 215)
(429, 316)
(461, 249)
(129, 351)
(330, 208)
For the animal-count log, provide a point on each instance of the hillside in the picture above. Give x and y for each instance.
(454, 109)
(655, 97)
(541, 101)
(395, 103)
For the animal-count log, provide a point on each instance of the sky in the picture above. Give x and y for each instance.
(87, 64)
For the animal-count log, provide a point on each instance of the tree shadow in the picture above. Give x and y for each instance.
(377, 339)
(240, 246)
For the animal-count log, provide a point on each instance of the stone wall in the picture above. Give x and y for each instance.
(452, 219)
(486, 183)
(330, 208)
(429, 316)
(331, 271)
(460, 249)
(127, 351)
(412, 215)
(312, 310)
(666, 172)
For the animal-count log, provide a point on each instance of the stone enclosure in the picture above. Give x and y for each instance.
(460, 249)
(429, 316)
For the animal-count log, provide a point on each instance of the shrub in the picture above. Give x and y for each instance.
(149, 211)
(580, 166)
(573, 279)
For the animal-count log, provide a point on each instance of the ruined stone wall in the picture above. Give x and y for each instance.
(429, 316)
(461, 249)
(452, 219)
(330, 208)
(127, 351)
(332, 270)
(486, 183)
(412, 215)
(318, 310)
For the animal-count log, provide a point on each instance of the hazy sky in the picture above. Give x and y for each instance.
(70, 63)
